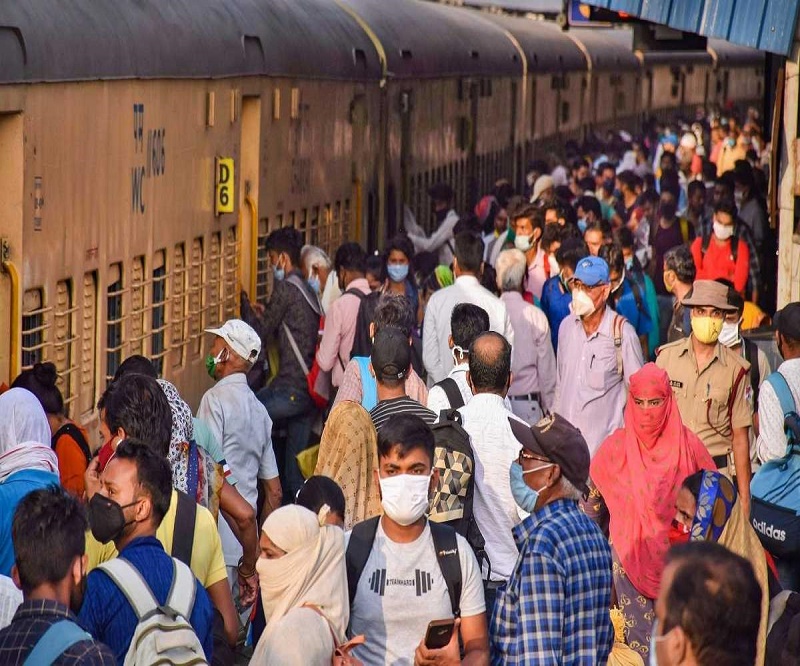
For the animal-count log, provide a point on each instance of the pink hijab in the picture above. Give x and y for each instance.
(639, 469)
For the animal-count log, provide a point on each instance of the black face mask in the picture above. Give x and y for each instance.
(106, 518)
(440, 215)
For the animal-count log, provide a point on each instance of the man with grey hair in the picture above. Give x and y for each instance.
(533, 387)
(318, 271)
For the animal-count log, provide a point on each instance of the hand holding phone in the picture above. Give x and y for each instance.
(439, 634)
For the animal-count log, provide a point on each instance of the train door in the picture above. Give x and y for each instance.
(359, 120)
(11, 220)
(248, 192)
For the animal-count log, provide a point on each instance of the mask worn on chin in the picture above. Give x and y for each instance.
(404, 497)
(525, 496)
(729, 335)
(678, 533)
(523, 243)
(582, 305)
(212, 362)
(706, 329)
(555, 269)
(723, 231)
(397, 272)
(106, 518)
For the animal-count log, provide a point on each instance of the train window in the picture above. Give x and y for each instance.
(178, 317)
(213, 304)
(302, 226)
(346, 220)
(262, 262)
(619, 101)
(314, 227)
(231, 275)
(88, 334)
(294, 105)
(564, 112)
(114, 320)
(276, 104)
(158, 311)
(33, 327)
(674, 90)
(330, 229)
(138, 301)
(196, 297)
(64, 339)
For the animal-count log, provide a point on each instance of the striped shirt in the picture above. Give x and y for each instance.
(385, 409)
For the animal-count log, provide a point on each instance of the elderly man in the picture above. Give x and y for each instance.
(554, 609)
(318, 271)
(533, 386)
(598, 351)
(710, 384)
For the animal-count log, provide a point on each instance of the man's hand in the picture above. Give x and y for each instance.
(91, 478)
(447, 656)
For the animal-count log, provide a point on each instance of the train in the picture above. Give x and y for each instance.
(149, 148)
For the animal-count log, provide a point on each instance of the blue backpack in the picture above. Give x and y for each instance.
(775, 488)
(54, 642)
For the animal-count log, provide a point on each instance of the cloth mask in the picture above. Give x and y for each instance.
(279, 273)
(678, 533)
(525, 496)
(458, 360)
(212, 362)
(523, 243)
(723, 231)
(582, 304)
(729, 335)
(404, 497)
(397, 272)
(706, 329)
(106, 518)
(313, 282)
(555, 269)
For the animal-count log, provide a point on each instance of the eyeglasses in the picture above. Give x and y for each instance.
(648, 404)
(528, 456)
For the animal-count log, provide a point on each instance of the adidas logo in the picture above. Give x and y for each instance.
(769, 531)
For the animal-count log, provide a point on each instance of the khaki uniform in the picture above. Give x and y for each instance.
(705, 398)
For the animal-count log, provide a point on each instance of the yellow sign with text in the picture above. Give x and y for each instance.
(224, 183)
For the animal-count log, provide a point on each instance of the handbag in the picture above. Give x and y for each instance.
(318, 382)
(341, 653)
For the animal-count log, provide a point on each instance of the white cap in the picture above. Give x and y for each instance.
(542, 183)
(689, 141)
(241, 337)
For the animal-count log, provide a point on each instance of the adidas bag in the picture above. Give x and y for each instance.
(163, 635)
(775, 488)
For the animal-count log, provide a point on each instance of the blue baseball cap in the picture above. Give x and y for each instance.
(592, 271)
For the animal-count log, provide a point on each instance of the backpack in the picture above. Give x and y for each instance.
(452, 499)
(59, 637)
(73, 431)
(775, 505)
(163, 634)
(444, 543)
(617, 326)
(369, 387)
(362, 342)
(451, 390)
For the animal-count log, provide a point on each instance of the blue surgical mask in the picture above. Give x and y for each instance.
(397, 272)
(279, 273)
(629, 263)
(525, 496)
(313, 282)
(582, 224)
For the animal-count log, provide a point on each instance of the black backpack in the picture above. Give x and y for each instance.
(444, 543)
(451, 390)
(751, 355)
(71, 430)
(362, 342)
(451, 502)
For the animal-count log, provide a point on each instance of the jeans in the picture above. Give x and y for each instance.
(293, 410)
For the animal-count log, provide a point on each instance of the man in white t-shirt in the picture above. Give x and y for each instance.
(401, 587)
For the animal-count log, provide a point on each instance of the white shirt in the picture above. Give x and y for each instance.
(495, 448)
(442, 239)
(10, 599)
(437, 398)
(436, 329)
(771, 443)
(242, 425)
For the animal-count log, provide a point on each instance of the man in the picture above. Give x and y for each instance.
(752, 211)
(544, 191)
(723, 254)
(467, 266)
(665, 235)
(528, 226)
(629, 184)
(709, 382)
(391, 362)
(554, 609)
(708, 608)
(678, 277)
(598, 353)
(589, 211)
(395, 613)
(596, 235)
(292, 318)
(51, 578)
(466, 323)
(318, 272)
(697, 212)
(441, 241)
(557, 294)
(242, 426)
(341, 318)
(131, 503)
(533, 387)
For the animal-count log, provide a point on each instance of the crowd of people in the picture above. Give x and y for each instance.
(526, 437)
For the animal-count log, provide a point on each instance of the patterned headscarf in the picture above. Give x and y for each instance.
(714, 506)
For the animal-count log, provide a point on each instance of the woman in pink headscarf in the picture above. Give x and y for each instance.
(636, 475)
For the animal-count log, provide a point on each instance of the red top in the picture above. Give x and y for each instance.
(718, 261)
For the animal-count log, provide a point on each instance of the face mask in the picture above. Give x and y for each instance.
(654, 640)
(397, 272)
(582, 304)
(404, 497)
(738, 197)
(706, 329)
(106, 518)
(582, 224)
(458, 353)
(211, 364)
(678, 533)
(313, 282)
(105, 454)
(608, 186)
(440, 215)
(525, 496)
(723, 231)
(618, 195)
(629, 263)
(729, 335)
(555, 269)
(523, 243)
(278, 273)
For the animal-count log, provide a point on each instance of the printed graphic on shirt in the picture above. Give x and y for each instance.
(422, 582)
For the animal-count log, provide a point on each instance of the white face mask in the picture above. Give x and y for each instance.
(723, 231)
(555, 269)
(523, 243)
(404, 497)
(729, 335)
(582, 304)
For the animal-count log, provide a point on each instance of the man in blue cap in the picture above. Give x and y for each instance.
(598, 351)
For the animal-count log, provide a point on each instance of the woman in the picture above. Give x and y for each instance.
(303, 589)
(706, 510)
(319, 492)
(399, 257)
(69, 440)
(348, 454)
(637, 473)
(27, 462)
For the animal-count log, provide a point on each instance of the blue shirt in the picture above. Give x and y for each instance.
(12, 490)
(554, 608)
(107, 615)
(628, 307)
(555, 304)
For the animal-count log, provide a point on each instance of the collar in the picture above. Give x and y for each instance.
(467, 281)
(359, 283)
(791, 364)
(235, 378)
(491, 400)
(606, 324)
(36, 608)
(538, 259)
(687, 348)
(524, 530)
(513, 296)
(461, 367)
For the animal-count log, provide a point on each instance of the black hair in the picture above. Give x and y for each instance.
(467, 322)
(153, 473)
(488, 368)
(137, 404)
(709, 170)
(41, 381)
(628, 179)
(136, 365)
(734, 297)
(286, 240)
(405, 432)
(538, 165)
(715, 599)
(469, 252)
(48, 533)
(375, 265)
(727, 180)
(563, 194)
(572, 250)
(552, 233)
(600, 225)
(726, 206)
(623, 236)
(692, 483)
(395, 311)
(649, 196)
(401, 243)
(680, 260)
(320, 490)
(606, 165)
(667, 155)
(350, 257)
(667, 208)
(670, 182)
(694, 186)
(587, 183)
(533, 213)
(590, 205)
(578, 163)
(612, 254)
(503, 191)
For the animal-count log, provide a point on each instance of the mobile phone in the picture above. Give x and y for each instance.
(439, 634)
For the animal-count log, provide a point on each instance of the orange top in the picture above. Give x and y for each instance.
(71, 463)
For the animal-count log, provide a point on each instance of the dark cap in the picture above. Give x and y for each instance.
(557, 440)
(787, 321)
(391, 354)
(440, 192)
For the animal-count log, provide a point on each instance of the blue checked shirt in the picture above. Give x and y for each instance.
(555, 607)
